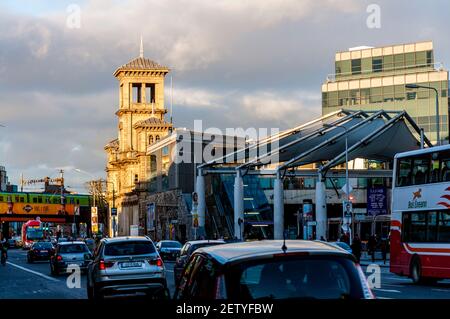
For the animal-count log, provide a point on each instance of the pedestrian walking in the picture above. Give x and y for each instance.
(371, 246)
(356, 248)
(384, 249)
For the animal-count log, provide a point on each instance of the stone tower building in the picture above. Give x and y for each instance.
(140, 123)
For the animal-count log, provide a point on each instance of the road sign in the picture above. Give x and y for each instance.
(113, 211)
(195, 220)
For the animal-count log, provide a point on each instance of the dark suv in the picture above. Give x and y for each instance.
(186, 252)
(125, 265)
(263, 270)
(69, 253)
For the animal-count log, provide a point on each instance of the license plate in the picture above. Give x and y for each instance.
(134, 264)
(44, 251)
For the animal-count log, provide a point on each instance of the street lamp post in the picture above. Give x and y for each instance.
(417, 86)
(347, 184)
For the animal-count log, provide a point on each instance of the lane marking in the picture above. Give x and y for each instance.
(441, 290)
(383, 297)
(33, 272)
(169, 270)
(387, 290)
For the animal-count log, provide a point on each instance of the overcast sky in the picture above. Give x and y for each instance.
(234, 64)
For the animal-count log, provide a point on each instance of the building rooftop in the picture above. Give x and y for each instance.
(140, 64)
(152, 122)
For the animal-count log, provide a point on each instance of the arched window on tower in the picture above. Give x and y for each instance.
(157, 138)
(150, 140)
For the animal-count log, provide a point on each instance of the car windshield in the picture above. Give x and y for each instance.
(170, 244)
(129, 248)
(292, 278)
(44, 245)
(73, 249)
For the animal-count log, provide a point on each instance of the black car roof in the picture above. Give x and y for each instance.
(244, 250)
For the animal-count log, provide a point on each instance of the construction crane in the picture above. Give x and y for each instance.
(46, 180)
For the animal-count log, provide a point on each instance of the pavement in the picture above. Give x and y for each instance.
(367, 260)
(20, 280)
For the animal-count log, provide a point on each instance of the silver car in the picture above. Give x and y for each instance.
(125, 265)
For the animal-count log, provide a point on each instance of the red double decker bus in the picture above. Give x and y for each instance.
(420, 221)
(31, 231)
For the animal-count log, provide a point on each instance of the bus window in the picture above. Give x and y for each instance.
(443, 235)
(420, 171)
(39, 199)
(432, 227)
(1, 198)
(445, 170)
(22, 199)
(435, 169)
(414, 227)
(34, 200)
(404, 172)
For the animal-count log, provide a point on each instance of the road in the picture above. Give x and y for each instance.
(21, 280)
(393, 286)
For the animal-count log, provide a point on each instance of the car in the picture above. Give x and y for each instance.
(12, 243)
(41, 250)
(90, 243)
(69, 253)
(126, 265)
(342, 245)
(53, 240)
(186, 251)
(168, 249)
(62, 240)
(272, 269)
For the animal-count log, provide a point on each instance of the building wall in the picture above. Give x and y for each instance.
(128, 164)
(3, 179)
(374, 79)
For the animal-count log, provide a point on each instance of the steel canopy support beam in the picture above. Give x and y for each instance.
(278, 207)
(238, 205)
(325, 143)
(255, 161)
(201, 193)
(364, 141)
(277, 136)
(321, 207)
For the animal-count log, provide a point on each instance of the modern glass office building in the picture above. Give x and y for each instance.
(369, 78)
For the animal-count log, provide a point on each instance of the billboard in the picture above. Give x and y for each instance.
(377, 201)
(33, 209)
(94, 219)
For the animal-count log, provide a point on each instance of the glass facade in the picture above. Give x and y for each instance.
(387, 63)
(368, 80)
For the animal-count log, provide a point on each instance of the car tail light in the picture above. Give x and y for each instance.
(59, 258)
(368, 294)
(36, 250)
(156, 262)
(105, 264)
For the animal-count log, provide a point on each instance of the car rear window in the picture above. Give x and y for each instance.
(73, 249)
(170, 244)
(129, 248)
(296, 278)
(42, 246)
